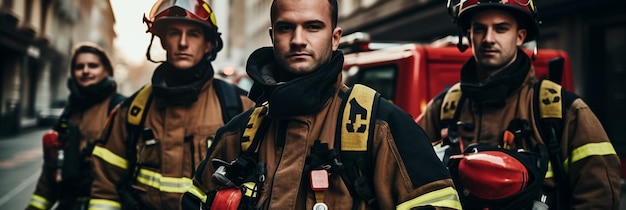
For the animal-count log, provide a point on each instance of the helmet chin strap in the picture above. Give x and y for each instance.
(148, 56)
(460, 45)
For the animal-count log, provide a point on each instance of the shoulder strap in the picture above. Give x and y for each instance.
(549, 103)
(139, 105)
(450, 113)
(230, 101)
(552, 102)
(355, 128)
(451, 102)
(357, 118)
(115, 100)
(251, 136)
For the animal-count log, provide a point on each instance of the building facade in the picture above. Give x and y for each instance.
(36, 39)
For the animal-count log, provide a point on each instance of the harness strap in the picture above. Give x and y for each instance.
(550, 103)
(357, 124)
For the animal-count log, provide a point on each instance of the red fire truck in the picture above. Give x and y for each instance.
(411, 74)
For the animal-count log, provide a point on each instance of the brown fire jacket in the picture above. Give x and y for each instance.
(90, 123)
(406, 173)
(165, 162)
(594, 177)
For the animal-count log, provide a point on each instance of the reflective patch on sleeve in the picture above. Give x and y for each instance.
(446, 197)
(164, 184)
(38, 202)
(110, 157)
(588, 150)
(102, 204)
(198, 193)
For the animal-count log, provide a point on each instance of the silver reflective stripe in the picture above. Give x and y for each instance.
(164, 184)
(102, 204)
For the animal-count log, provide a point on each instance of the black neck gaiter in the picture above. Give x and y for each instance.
(82, 98)
(180, 87)
(303, 95)
(495, 89)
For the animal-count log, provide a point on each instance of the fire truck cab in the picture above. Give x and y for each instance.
(411, 74)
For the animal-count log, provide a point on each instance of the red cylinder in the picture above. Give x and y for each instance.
(51, 139)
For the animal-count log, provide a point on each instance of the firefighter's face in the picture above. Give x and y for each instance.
(185, 44)
(303, 35)
(88, 69)
(495, 37)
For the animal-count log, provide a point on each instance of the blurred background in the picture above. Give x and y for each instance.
(36, 38)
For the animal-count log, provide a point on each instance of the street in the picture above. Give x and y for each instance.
(20, 166)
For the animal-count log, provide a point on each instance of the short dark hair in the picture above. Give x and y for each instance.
(93, 49)
(333, 12)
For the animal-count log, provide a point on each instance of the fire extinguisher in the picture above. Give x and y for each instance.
(54, 152)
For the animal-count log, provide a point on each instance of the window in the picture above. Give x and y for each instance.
(380, 78)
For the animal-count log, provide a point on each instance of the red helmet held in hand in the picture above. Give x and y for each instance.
(492, 175)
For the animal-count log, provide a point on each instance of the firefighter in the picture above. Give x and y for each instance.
(151, 147)
(493, 129)
(66, 176)
(285, 154)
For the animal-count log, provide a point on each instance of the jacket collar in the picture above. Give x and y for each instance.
(182, 94)
(300, 96)
(494, 90)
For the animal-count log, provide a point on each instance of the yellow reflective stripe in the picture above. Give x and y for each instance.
(591, 149)
(550, 172)
(587, 150)
(110, 157)
(195, 191)
(102, 204)
(164, 184)
(446, 197)
(38, 202)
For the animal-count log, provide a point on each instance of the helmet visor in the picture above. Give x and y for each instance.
(527, 5)
(193, 9)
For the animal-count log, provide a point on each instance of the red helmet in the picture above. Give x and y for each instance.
(524, 11)
(492, 175)
(197, 11)
(192, 10)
